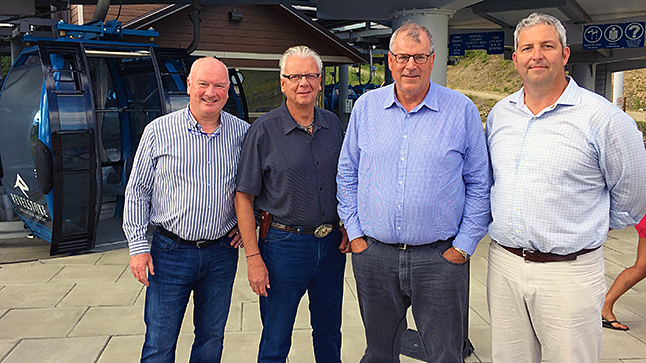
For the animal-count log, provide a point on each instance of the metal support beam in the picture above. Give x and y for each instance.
(344, 116)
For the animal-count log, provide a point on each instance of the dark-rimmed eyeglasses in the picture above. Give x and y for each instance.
(418, 58)
(294, 78)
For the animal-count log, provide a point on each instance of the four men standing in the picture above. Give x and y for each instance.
(413, 187)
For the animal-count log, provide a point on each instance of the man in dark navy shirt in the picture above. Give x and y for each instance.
(288, 168)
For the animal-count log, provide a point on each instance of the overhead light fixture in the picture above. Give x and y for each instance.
(235, 15)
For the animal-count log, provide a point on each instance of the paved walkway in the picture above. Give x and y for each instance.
(89, 308)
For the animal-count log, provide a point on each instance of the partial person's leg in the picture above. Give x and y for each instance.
(512, 333)
(381, 300)
(624, 282)
(439, 301)
(290, 263)
(166, 298)
(567, 311)
(212, 299)
(325, 292)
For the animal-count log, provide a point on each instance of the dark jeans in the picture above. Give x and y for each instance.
(179, 269)
(389, 280)
(299, 263)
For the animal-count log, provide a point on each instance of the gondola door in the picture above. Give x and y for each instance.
(76, 177)
(172, 67)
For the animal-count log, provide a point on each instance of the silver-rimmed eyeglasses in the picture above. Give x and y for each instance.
(295, 78)
(418, 58)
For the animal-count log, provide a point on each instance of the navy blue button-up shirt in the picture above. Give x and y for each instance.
(290, 172)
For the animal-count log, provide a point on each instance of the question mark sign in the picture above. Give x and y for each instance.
(635, 29)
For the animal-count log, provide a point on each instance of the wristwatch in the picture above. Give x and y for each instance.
(464, 254)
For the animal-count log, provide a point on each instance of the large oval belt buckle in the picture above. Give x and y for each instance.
(323, 230)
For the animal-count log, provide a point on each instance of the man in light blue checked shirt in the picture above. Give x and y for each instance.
(413, 188)
(567, 166)
(183, 182)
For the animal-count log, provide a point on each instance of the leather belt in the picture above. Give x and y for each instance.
(203, 243)
(537, 256)
(318, 232)
(405, 246)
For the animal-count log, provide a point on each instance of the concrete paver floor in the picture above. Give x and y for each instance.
(88, 308)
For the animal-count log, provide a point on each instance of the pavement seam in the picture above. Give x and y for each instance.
(2, 358)
(141, 291)
(65, 295)
(105, 345)
(67, 335)
(99, 259)
(56, 274)
(122, 272)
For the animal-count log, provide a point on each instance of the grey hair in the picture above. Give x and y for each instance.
(300, 51)
(538, 19)
(412, 30)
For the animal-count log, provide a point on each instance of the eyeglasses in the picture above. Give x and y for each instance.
(295, 78)
(418, 58)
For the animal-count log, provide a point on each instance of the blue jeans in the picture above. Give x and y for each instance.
(179, 269)
(299, 263)
(389, 280)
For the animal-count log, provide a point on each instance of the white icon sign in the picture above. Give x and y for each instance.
(593, 34)
(20, 184)
(613, 33)
(634, 31)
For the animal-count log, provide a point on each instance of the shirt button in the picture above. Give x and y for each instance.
(401, 182)
(321, 188)
(399, 206)
(322, 214)
(405, 136)
(516, 208)
(517, 231)
(403, 159)
(399, 228)
(317, 163)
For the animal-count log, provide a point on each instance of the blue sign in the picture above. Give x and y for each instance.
(607, 36)
(493, 42)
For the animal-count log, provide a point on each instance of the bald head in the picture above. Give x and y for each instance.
(207, 64)
(208, 88)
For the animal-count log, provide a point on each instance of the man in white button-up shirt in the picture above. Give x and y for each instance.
(567, 165)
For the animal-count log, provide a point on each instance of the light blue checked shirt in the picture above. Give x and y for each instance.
(565, 175)
(415, 177)
(183, 179)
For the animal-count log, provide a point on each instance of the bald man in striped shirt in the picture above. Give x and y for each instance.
(183, 183)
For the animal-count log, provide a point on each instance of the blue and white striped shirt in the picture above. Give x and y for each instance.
(565, 175)
(183, 179)
(415, 177)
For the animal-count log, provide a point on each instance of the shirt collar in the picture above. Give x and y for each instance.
(571, 95)
(290, 124)
(195, 126)
(430, 100)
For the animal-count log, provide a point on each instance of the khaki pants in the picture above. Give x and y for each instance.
(548, 310)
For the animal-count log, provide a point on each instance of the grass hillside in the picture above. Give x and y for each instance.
(482, 73)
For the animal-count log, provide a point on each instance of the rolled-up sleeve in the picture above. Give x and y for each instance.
(622, 159)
